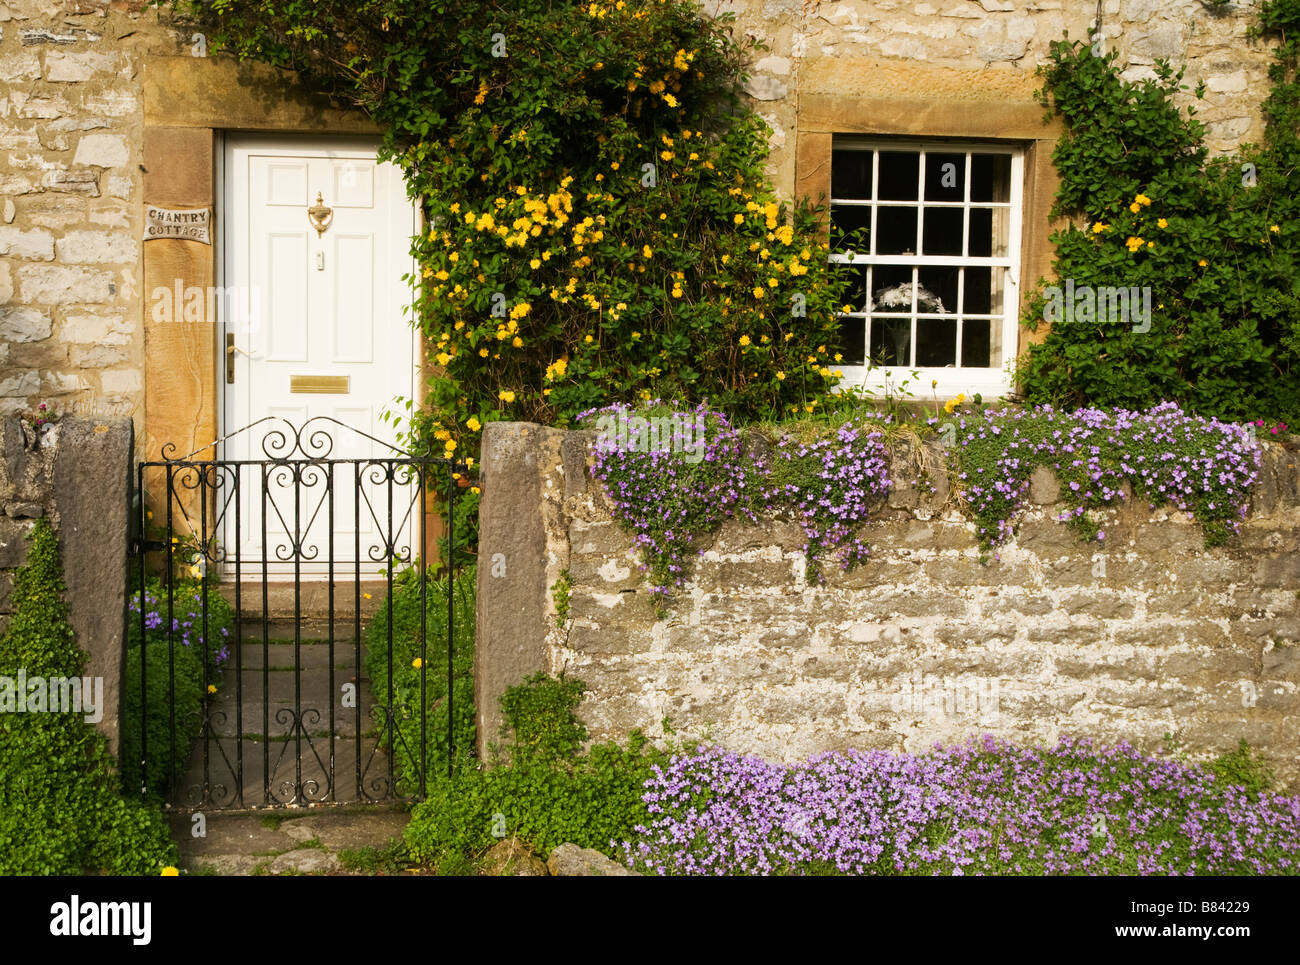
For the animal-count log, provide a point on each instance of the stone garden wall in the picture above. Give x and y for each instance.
(1142, 635)
(76, 472)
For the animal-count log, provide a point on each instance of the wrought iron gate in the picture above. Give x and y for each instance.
(246, 665)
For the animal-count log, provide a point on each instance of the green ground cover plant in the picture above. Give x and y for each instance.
(61, 806)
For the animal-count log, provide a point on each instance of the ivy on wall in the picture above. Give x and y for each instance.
(1213, 244)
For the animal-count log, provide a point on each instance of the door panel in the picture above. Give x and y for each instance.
(329, 336)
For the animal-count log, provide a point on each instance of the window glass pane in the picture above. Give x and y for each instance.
(975, 344)
(983, 290)
(938, 291)
(891, 341)
(945, 177)
(942, 231)
(989, 232)
(850, 226)
(990, 177)
(896, 231)
(898, 176)
(855, 291)
(891, 288)
(852, 342)
(978, 282)
(851, 174)
(936, 342)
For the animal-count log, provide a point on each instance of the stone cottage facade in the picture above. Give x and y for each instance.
(118, 139)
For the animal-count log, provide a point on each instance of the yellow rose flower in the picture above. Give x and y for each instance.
(473, 424)
(505, 395)
(744, 340)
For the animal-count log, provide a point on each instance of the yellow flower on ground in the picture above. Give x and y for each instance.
(473, 424)
(1162, 223)
(475, 490)
(505, 395)
(647, 252)
(169, 872)
(366, 595)
(1274, 228)
(1143, 200)
(758, 292)
(450, 445)
(1134, 243)
(1098, 227)
(1203, 263)
(780, 376)
(212, 688)
(670, 100)
(1135, 207)
(517, 342)
(744, 340)
(739, 219)
(417, 663)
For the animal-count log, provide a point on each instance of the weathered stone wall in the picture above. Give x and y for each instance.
(70, 179)
(840, 46)
(1143, 635)
(76, 472)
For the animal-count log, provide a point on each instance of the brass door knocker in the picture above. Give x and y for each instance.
(319, 215)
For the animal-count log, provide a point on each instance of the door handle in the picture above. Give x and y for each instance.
(230, 358)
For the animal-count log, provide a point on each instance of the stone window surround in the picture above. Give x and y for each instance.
(860, 96)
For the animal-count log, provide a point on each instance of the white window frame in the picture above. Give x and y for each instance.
(990, 382)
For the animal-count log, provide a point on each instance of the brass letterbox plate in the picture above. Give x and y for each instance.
(320, 384)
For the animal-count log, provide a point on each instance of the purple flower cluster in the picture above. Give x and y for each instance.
(676, 490)
(830, 484)
(1203, 466)
(189, 626)
(986, 807)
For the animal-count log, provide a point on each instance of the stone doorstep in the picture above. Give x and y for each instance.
(312, 603)
(236, 844)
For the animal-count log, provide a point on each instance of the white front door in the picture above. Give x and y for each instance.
(316, 305)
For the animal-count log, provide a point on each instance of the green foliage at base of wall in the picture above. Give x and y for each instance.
(60, 807)
(174, 677)
(406, 650)
(549, 793)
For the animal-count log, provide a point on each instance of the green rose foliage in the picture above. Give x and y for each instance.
(1216, 240)
(600, 226)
